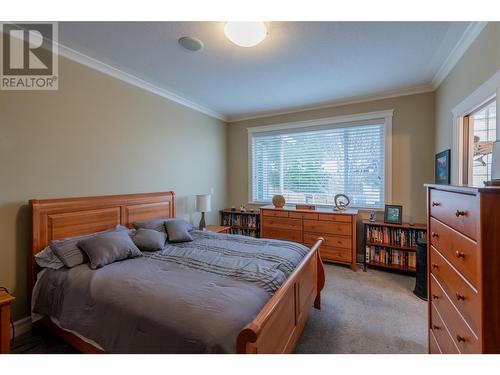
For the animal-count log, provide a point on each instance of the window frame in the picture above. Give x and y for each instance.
(384, 116)
(460, 152)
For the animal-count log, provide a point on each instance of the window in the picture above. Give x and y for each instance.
(310, 164)
(479, 135)
(475, 127)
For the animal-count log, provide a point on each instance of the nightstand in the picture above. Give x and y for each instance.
(219, 229)
(5, 301)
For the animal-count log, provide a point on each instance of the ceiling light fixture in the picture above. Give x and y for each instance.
(245, 34)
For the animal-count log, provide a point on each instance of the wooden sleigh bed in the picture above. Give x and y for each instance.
(276, 329)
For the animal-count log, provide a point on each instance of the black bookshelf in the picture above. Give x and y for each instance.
(246, 223)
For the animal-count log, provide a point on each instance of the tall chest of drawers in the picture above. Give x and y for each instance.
(305, 226)
(464, 269)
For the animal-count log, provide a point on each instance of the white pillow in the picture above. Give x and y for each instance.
(47, 259)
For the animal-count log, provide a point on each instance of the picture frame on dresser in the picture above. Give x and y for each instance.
(442, 168)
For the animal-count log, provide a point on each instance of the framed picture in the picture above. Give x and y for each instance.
(393, 214)
(442, 168)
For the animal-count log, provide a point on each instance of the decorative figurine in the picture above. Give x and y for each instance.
(372, 216)
(341, 201)
(279, 201)
(243, 209)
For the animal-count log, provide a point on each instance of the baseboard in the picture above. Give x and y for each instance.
(22, 326)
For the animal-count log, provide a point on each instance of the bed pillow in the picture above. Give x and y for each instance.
(47, 259)
(160, 224)
(156, 224)
(69, 253)
(108, 248)
(178, 231)
(149, 239)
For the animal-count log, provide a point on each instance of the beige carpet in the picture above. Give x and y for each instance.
(366, 312)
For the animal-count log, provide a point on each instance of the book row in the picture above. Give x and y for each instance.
(245, 232)
(243, 221)
(391, 257)
(394, 236)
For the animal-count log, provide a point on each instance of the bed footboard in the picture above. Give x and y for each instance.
(278, 326)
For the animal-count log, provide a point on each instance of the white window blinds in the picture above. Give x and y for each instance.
(312, 165)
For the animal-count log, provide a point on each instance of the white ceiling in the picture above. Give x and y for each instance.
(299, 64)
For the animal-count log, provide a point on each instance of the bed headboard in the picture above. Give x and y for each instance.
(55, 219)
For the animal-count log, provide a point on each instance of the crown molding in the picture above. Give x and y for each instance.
(102, 67)
(468, 37)
(353, 100)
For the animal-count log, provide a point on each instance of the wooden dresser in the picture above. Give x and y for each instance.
(464, 269)
(305, 226)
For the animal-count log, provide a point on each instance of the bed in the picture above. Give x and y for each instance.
(275, 325)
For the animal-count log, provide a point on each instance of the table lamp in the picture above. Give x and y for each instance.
(203, 205)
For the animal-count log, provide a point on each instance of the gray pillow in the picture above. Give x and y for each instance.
(69, 253)
(178, 231)
(159, 224)
(156, 224)
(149, 239)
(47, 259)
(108, 248)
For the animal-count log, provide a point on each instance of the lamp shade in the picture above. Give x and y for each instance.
(495, 161)
(203, 203)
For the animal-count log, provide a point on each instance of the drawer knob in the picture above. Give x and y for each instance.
(460, 296)
(435, 235)
(434, 204)
(434, 266)
(459, 254)
(435, 296)
(460, 213)
(460, 338)
(435, 327)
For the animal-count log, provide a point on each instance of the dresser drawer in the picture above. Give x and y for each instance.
(304, 215)
(344, 242)
(460, 251)
(275, 213)
(441, 334)
(282, 234)
(335, 254)
(463, 296)
(335, 217)
(433, 345)
(459, 211)
(282, 223)
(327, 227)
(463, 337)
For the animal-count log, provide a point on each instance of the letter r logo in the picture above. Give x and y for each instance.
(27, 49)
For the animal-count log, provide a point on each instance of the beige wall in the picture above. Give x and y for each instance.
(479, 63)
(412, 147)
(98, 135)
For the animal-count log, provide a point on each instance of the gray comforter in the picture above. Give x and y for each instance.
(192, 297)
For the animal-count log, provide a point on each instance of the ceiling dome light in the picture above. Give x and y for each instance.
(245, 34)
